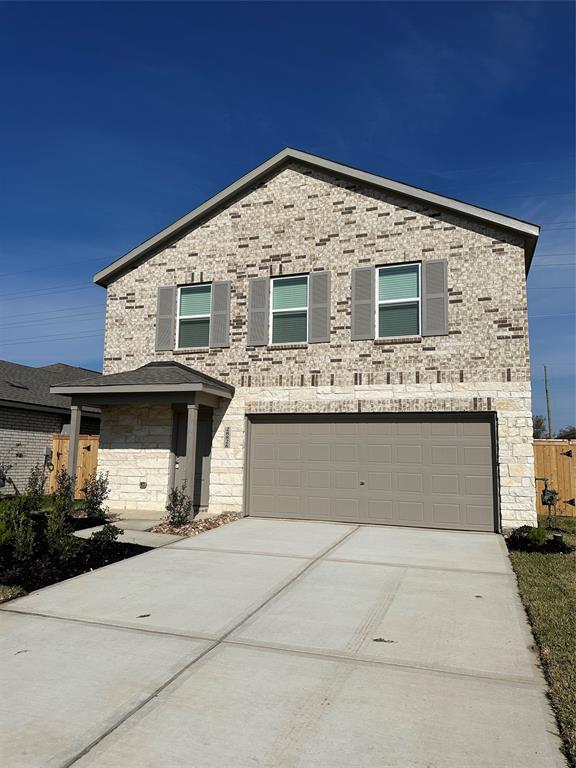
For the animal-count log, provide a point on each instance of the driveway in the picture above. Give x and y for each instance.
(280, 644)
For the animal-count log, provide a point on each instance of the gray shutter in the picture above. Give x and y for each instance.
(165, 318)
(435, 298)
(258, 311)
(318, 307)
(362, 303)
(220, 314)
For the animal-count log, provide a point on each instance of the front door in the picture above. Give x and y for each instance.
(203, 450)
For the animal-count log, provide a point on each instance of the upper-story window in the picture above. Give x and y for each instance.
(289, 315)
(194, 306)
(398, 301)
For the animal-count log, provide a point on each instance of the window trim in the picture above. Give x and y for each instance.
(385, 302)
(284, 311)
(180, 317)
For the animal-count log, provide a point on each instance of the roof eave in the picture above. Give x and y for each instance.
(140, 389)
(530, 232)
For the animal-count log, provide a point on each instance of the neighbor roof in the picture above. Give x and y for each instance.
(166, 376)
(529, 232)
(24, 385)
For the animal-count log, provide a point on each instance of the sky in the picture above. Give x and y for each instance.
(117, 118)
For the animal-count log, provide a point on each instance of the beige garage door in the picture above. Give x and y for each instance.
(413, 471)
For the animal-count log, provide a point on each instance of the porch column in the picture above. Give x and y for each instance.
(191, 432)
(75, 418)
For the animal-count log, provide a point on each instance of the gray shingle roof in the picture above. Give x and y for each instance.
(26, 385)
(152, 374)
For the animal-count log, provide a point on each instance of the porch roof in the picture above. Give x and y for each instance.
(152, 378)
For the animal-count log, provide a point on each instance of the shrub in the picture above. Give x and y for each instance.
(35, 488)
(179, 506)
(96, 489)
(63, 496)
(529, 539)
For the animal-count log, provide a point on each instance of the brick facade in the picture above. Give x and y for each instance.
(24, 437)
(303, 220)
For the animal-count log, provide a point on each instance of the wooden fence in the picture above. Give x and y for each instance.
(87, 459)
(552, 460)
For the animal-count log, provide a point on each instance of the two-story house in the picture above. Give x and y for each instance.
(319, 342)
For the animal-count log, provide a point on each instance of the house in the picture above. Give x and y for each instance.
(30, 415)
(316, 341)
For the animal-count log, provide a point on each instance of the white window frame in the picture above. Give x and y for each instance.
(284, 311)
(192, 317)
(379, 303)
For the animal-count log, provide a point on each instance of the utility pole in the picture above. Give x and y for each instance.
(548, 408)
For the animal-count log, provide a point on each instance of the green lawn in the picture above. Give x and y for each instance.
(547, 586)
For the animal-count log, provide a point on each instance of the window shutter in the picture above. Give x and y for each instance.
(220, 314)
(258, 311)
(435, 298)
(319, 307)
(362, 303)
(165, 318)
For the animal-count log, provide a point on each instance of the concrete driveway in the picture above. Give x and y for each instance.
(284, 644)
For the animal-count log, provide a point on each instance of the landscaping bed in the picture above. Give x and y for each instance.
(37, 545)
(194, 527)
(547, 585)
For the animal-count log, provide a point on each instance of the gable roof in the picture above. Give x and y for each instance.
(529, 232)
(162, 376)
(24, 385)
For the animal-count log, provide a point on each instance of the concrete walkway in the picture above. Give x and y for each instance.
(280, 644)
(134, 532)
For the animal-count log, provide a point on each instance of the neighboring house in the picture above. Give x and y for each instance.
(319, 342)
(30, 415)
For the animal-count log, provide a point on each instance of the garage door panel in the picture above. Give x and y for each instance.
(347, 452)
(318, 479)
(378, 454)
(423, 472)
(411, 482)
(409, 454)
(346, 480)
(480, 456)
(443, 514)
(379, 481)
(411, 511)
(380, 510)
(445, 484)
(318, 452)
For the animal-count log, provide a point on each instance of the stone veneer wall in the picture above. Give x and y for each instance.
(135, 444)
(511, 402)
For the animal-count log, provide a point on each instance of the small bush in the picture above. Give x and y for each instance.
(96, 489)
(529, 539)
(63, 496)
(35, 488)
(179, 506)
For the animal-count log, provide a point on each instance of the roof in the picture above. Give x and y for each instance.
(25, 385)
(529, 232)
(164, 376)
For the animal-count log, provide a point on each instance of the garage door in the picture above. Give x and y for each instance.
(412, 471)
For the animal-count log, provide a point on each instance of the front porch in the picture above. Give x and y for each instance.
(157, 427)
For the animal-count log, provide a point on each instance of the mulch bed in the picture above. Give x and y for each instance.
(197, 526)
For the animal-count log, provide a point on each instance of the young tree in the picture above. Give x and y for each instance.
(539, 427)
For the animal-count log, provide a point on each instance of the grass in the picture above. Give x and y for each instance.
(9, 592)
(547, 584)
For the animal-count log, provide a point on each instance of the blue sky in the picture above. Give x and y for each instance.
(119, 117)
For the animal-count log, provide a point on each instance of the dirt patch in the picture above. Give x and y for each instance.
(196, 526)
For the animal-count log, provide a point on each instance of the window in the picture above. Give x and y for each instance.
(289, 316)
(398, 301)
(194, 304)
